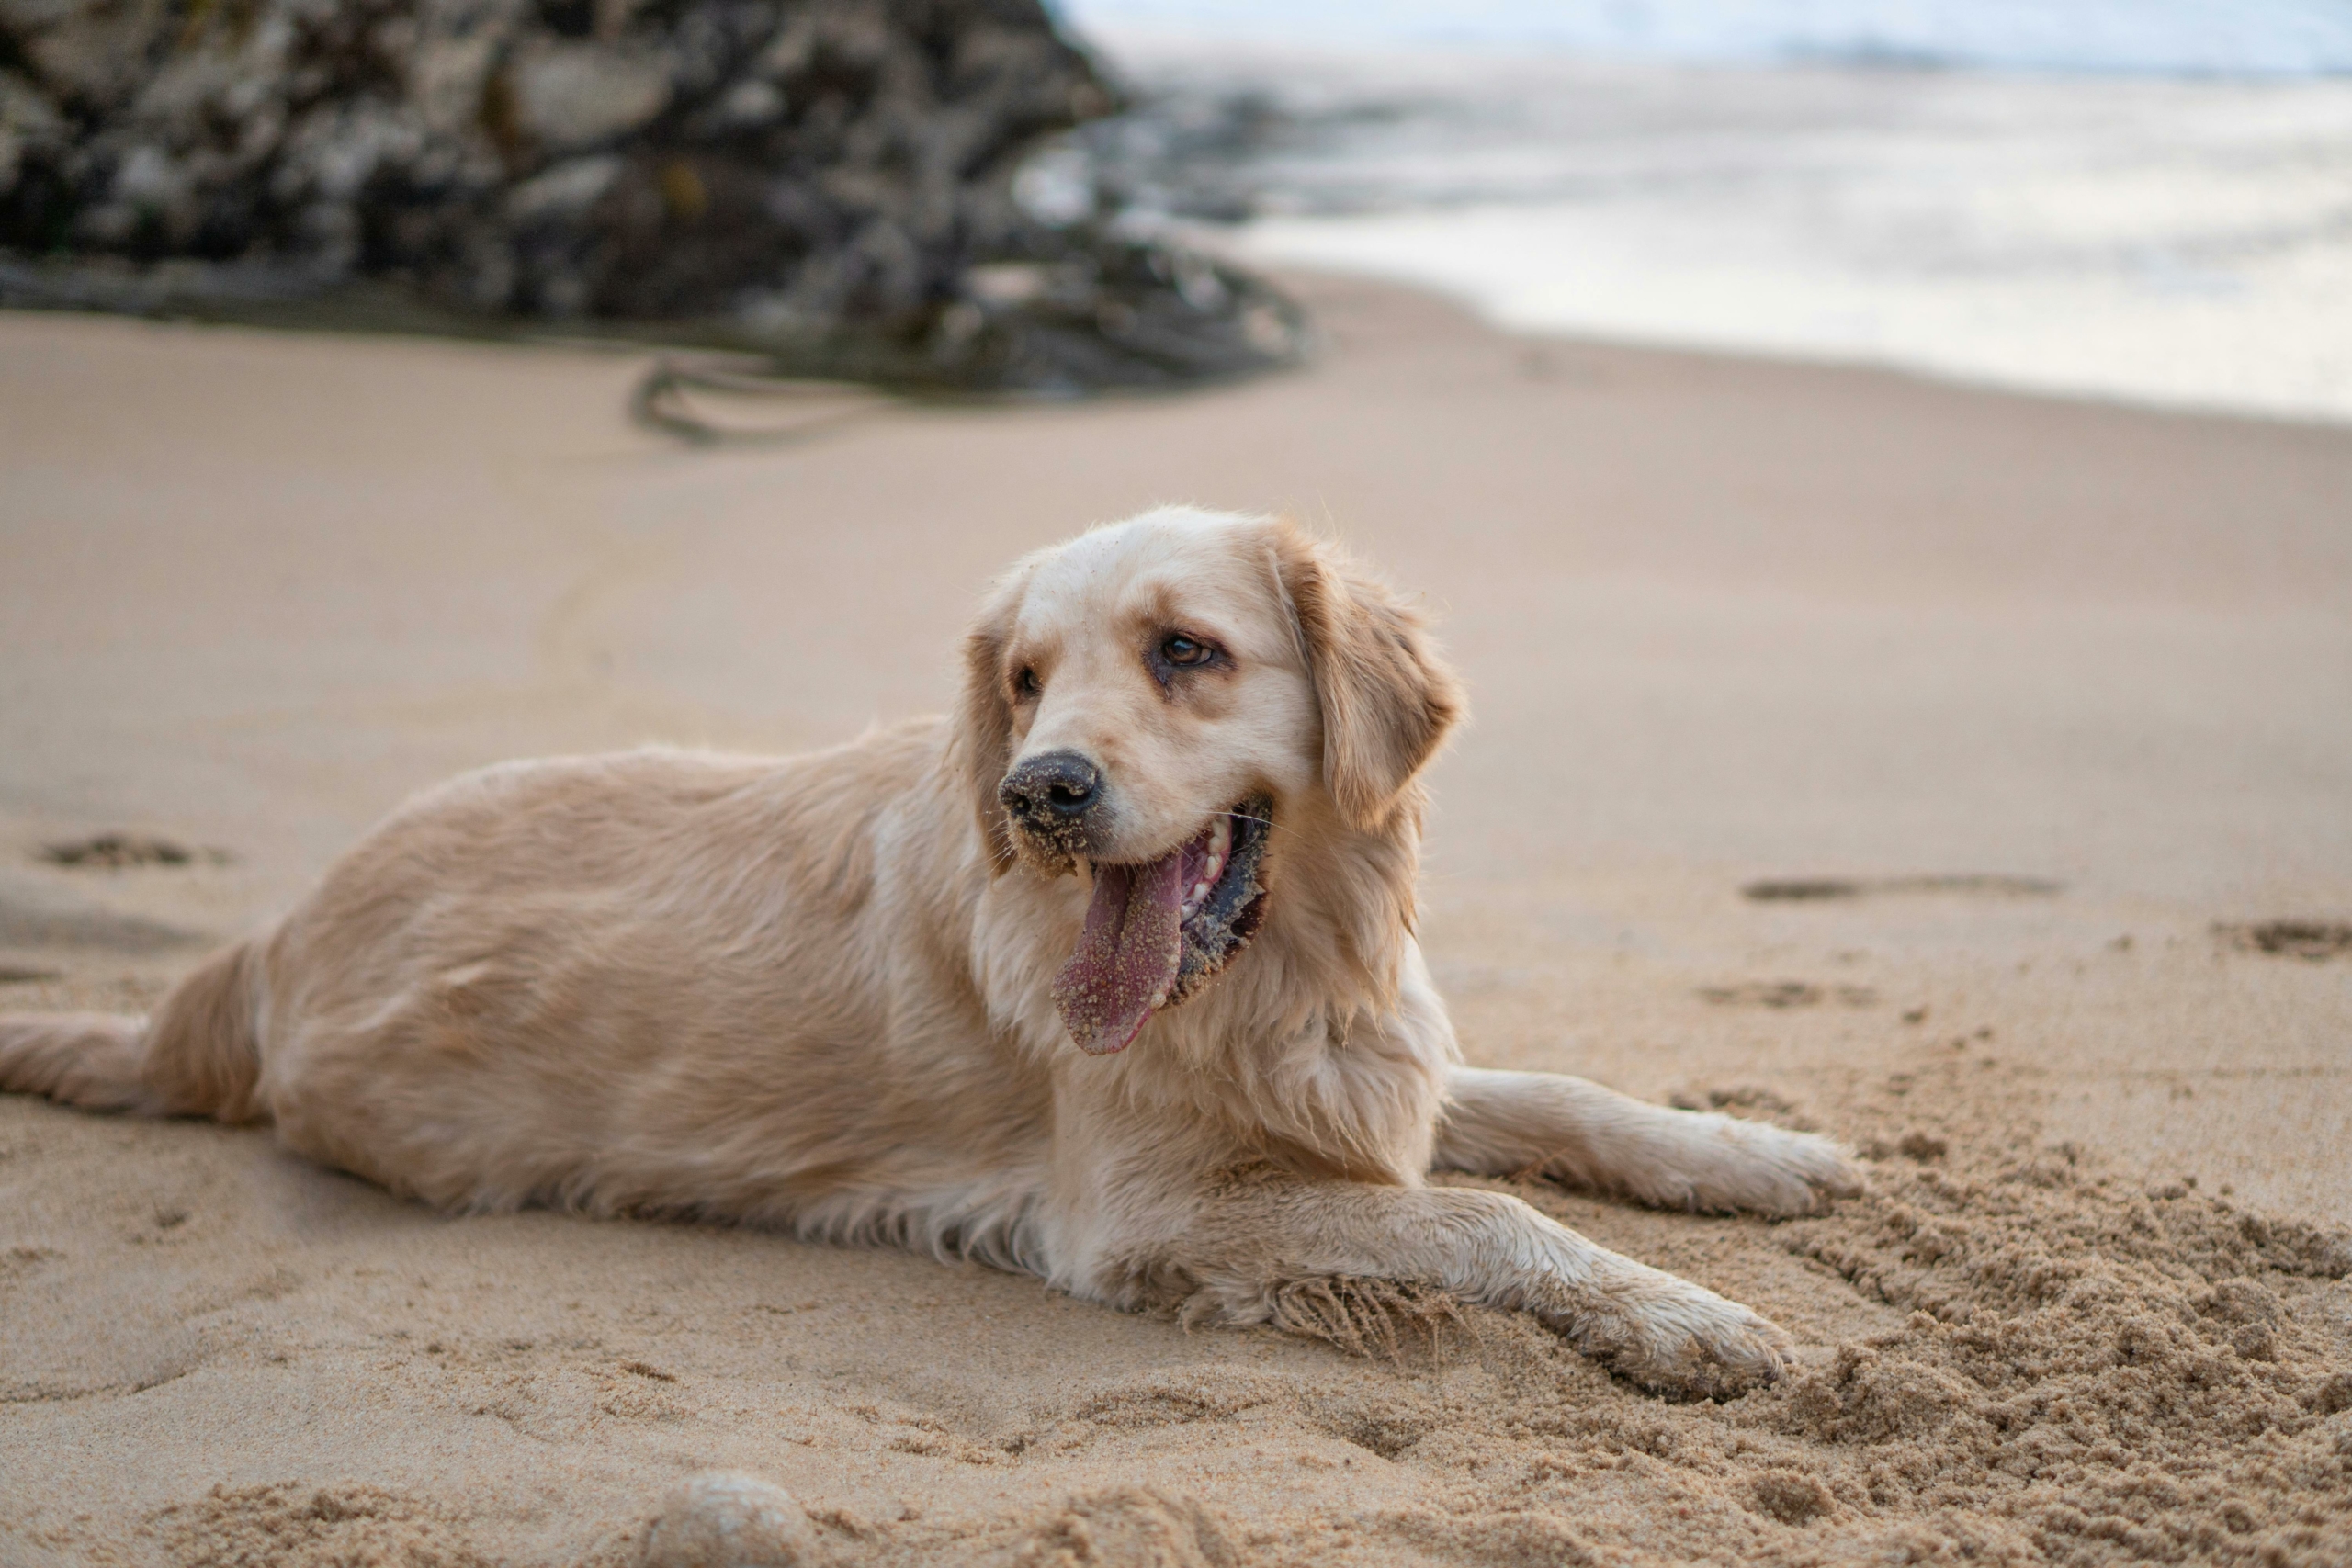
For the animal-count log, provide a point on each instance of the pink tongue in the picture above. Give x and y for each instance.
(1128, 956)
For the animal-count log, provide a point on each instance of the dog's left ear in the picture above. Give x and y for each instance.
(1387, 699)
(984, 724)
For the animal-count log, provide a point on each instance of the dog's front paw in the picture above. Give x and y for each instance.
(1766, 1169)
(1669, 1335)
(1716, 1361)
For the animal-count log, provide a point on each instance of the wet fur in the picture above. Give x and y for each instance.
(814, 994)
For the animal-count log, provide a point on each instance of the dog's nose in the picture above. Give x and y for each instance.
(1060, 786)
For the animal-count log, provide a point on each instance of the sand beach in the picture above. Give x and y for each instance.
(1959, 772)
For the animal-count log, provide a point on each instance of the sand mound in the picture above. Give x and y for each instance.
(301, 1527)
(2091, 1373)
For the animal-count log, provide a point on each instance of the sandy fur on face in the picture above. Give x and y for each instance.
(1723, 624)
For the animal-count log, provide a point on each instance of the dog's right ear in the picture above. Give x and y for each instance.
(984, 724)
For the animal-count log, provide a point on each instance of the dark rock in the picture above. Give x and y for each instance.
(838, 183)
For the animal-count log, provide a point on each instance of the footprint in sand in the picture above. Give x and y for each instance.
(115, 851)
(1787, 994)
(2316, 940)
(1822, 889)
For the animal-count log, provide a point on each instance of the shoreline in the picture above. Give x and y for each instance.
(2329, 419)
(2160, 240)
(2334, 414)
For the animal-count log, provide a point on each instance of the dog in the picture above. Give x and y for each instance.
(1108, 976)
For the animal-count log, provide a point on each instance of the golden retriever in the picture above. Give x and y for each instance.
(1109, 976)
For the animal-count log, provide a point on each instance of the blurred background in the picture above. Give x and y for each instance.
(2149, 199)
(2145, 199)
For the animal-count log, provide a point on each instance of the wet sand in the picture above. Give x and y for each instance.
(2055, 690)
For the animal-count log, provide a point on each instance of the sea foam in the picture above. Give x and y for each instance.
(2156, 238)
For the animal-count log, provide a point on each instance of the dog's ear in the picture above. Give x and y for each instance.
(1387, 698)
(984, 724)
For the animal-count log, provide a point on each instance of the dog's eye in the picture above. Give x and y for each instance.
(1182, 650)
(1027, 683)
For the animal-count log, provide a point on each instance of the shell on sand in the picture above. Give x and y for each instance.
(724, 1518)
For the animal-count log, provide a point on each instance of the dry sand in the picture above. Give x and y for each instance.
(1724, 622)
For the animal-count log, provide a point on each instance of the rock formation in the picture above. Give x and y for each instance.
(837, 182)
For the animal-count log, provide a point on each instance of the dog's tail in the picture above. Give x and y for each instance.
(199, 1056)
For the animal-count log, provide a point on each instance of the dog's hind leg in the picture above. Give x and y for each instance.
(1499, 1124)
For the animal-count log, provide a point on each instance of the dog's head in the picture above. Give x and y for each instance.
(1155, 701)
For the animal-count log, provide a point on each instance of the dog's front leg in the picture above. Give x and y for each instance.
(1253, 1234)
(1498, 1123)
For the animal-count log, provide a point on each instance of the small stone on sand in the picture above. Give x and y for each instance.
(723, 1518)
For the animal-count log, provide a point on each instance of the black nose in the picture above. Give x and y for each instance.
(1060, 786)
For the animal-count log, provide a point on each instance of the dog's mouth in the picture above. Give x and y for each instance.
(1157, 933)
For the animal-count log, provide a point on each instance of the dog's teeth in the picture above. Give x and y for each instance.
(1220, 845)
(1196, 895)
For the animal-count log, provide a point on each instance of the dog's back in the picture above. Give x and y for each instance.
(658, 981)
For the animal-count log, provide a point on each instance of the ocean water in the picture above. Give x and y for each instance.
(2196, 38)
(2148, 200)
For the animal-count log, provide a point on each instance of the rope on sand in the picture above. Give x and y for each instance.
(666, 395)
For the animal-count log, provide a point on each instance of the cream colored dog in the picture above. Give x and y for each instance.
(1111, 977)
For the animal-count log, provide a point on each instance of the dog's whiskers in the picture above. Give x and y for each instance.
(1270, 828)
